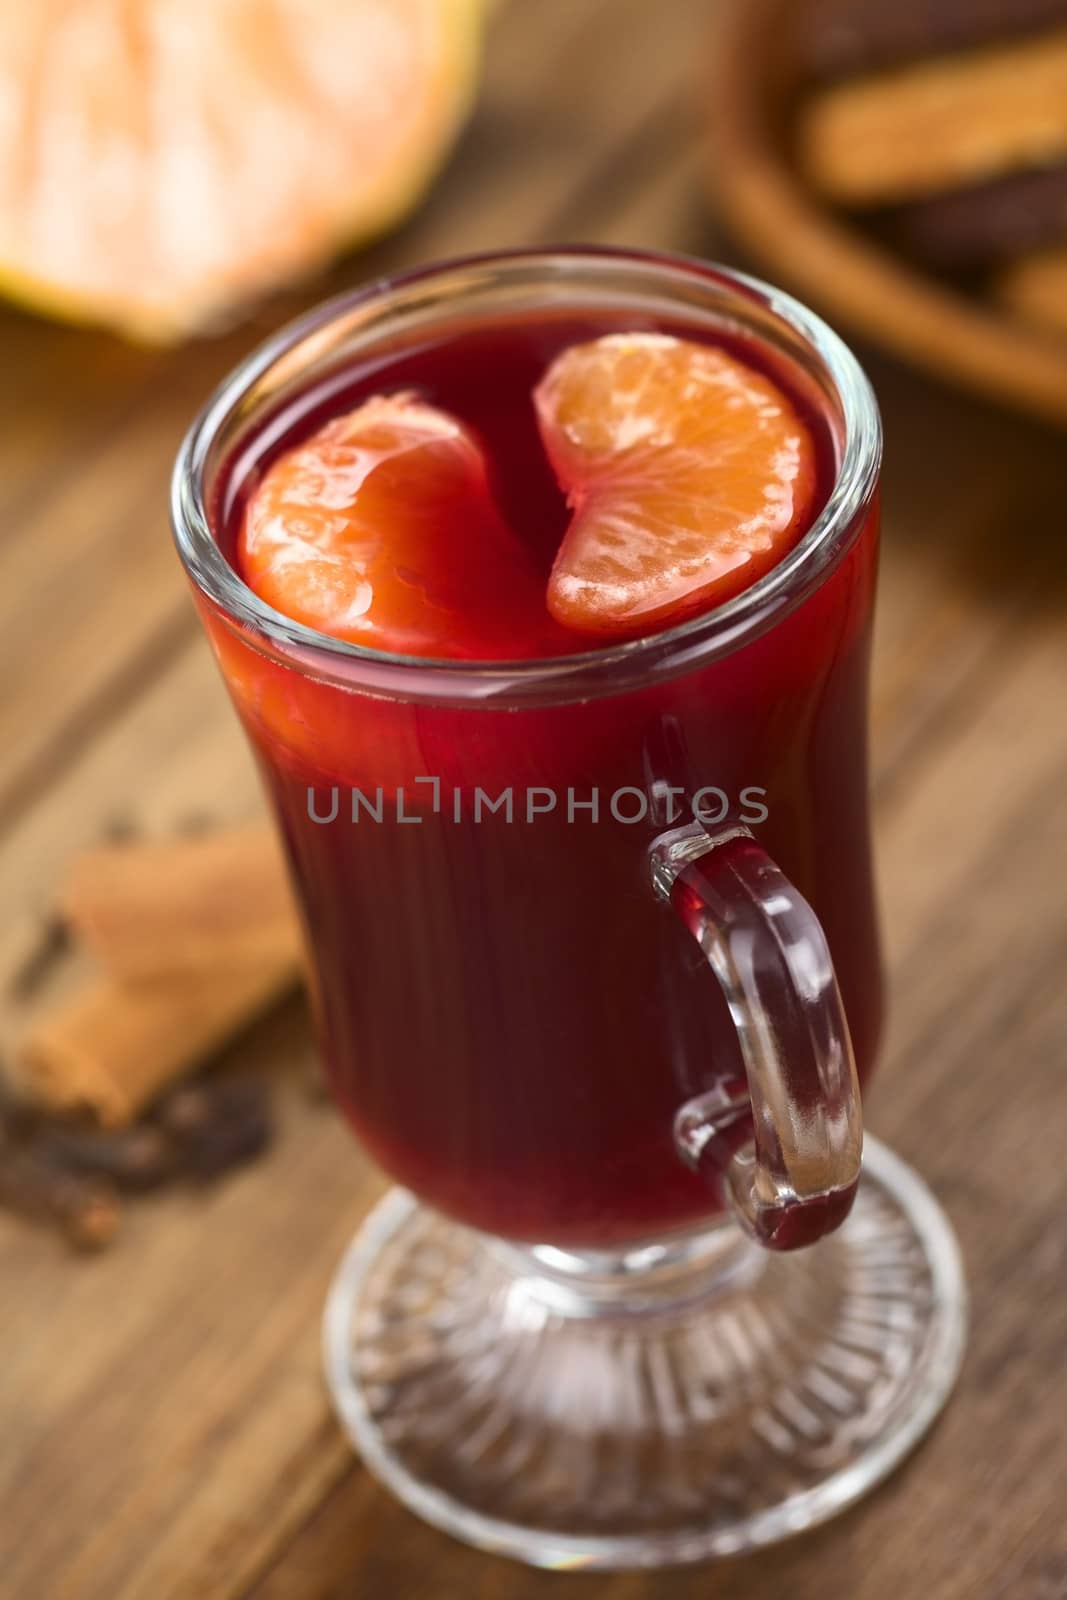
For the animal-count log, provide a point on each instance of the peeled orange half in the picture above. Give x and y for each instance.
(163, 161)
(689, 474)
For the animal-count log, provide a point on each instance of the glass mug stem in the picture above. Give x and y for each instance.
(783, 1146)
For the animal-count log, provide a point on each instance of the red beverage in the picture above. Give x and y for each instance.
(509, 1018)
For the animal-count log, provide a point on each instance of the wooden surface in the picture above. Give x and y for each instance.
(164, 1433)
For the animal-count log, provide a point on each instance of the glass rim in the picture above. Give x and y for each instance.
(665, 653)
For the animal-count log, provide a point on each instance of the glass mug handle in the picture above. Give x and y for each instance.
(784, 1146)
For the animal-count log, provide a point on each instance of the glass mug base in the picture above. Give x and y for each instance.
(704, 1399)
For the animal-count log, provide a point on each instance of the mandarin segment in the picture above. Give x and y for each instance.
(688, 473)
(381, 530)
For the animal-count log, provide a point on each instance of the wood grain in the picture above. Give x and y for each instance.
(164, 1433)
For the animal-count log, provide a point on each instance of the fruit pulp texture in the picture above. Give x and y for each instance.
(509, 1018)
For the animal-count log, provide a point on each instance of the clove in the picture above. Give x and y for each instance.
(85, 1210)
(218, 1124)
(136, 1160)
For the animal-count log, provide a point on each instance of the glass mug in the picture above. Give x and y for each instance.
(595, 970)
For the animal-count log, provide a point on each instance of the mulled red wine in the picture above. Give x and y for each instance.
(509, 1018)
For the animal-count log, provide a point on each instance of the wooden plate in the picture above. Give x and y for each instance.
(858, 283)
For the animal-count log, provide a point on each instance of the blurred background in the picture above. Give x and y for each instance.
(175, 183)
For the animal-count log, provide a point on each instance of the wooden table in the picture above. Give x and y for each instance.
(164, 1432)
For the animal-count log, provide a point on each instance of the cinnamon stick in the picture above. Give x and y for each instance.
(184, 907)
(113, 1048)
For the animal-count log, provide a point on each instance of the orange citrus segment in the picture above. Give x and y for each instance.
(381, 530)
(165, 160)
(688, 473)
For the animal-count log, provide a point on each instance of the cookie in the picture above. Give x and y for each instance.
(1036, 288)
(844, 37)
(920, 130)
(984, 223)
